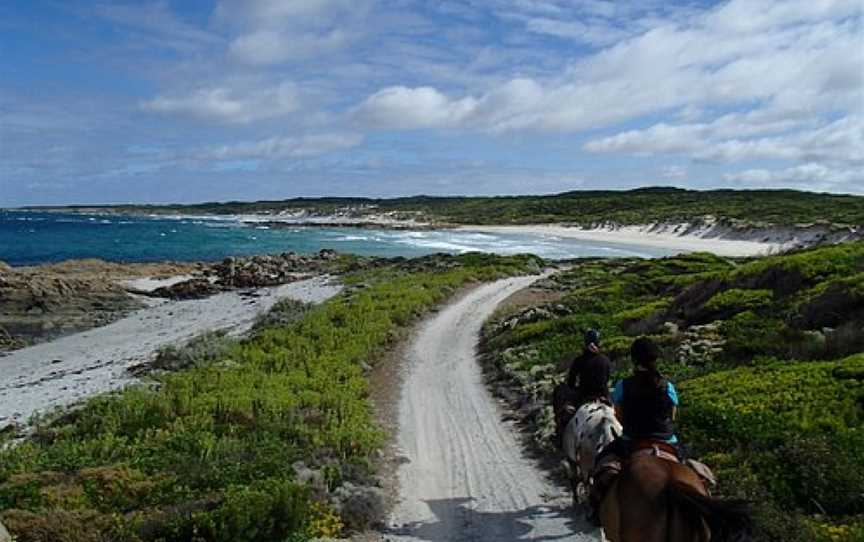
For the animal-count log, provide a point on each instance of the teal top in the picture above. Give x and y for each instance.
(618, 398)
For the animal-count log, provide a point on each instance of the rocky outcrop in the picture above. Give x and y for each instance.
(197, 288)
(699, 344)
(251, 272)
(44, 302)
(36, 306)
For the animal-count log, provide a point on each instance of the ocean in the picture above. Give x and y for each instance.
(30, 238)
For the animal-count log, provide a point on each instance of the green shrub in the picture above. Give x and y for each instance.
(283, 313)
(734, 300)
(800, 425)
(206, 455)
(202, 350)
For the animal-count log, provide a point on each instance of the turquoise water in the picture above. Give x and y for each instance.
(28, 238)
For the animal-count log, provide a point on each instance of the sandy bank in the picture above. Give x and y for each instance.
(681, 240)
(72, 368)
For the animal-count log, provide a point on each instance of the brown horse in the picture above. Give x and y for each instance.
(657, 500)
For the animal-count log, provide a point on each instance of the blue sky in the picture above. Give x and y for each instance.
(161, 101)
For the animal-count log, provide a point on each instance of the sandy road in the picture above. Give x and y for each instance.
(466, 477)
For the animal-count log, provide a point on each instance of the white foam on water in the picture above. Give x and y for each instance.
(546, 246)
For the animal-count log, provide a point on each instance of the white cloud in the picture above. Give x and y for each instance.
(282, 147)
(422, 107)
(810, 176)
(674, 173)
(158, 26)
(795, 69)
(223, 104)
(840, 142)
(274, 12)
(278, 31)
(273, 46)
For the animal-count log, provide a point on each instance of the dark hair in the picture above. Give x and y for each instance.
(645, 354)
(592, 336)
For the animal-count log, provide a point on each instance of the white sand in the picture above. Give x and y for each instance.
(650, 236)
(72, 368)
(465, 476)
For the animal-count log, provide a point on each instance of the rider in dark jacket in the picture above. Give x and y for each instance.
(587, 379)
(592, 370)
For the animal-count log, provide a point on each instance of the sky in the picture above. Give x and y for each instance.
(159, 101)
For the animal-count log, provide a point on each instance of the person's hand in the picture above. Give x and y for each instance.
(593, 348)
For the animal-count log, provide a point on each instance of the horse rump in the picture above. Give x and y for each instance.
(729, 520)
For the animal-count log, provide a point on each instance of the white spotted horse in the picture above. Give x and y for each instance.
(592, 427)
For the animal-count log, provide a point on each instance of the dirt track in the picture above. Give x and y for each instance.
(466, 477)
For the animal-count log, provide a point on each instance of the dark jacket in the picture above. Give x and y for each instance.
(592, 371)
(647, 408)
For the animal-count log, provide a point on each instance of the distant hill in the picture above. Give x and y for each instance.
(591, 207)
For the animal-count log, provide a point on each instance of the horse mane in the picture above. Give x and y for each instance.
(728, 520)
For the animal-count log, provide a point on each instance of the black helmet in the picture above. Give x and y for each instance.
(592, 336)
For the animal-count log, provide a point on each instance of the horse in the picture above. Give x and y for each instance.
(592, 427)
(657, 499)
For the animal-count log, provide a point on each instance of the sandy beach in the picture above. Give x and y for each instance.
(685, 239)
(67, 370)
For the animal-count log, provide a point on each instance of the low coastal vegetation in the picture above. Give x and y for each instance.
(768, 355)
(268, 438)
(584, 207)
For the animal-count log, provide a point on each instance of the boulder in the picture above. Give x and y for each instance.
(670, 328)
(360, 507)
(188, 289)
(4, 534)
(327, 254)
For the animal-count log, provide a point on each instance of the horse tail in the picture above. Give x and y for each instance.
(728, 520)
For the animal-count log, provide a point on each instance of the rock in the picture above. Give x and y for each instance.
(311, 477)
(670, 328)
(538, 370)
(4, 534)
(188, 289)
(327, 254)
(360, 507)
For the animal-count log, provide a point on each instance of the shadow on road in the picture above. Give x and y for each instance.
(456, 520)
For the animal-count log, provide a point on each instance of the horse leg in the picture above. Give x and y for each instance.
(610, 515)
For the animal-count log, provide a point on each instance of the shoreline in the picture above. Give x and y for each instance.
(64, 371)
(641, 235)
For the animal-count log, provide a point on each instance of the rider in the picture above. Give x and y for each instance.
(646, 404)
(592, 369)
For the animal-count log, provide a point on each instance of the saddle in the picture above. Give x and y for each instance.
(654, 448)
(611, 465)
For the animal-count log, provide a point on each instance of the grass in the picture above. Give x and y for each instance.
(767, 355)
(211, 453)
